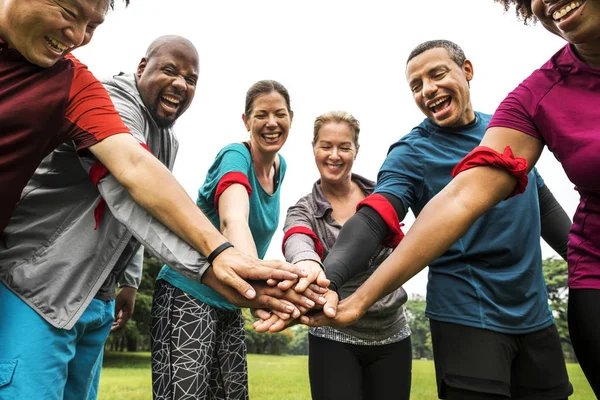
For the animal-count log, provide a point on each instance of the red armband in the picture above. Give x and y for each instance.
(305, 231)
(485, 156)
(385, 209)
(97, 172)
(227, 180)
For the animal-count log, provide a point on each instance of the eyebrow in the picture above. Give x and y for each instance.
(430, 71)
(81, 10)
(189, 75)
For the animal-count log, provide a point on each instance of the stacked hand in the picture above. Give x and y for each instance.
(326, 310)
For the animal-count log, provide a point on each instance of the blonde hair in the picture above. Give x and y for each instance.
(337, 116)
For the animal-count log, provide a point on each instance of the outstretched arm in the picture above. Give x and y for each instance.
(153, 187)
(358, 241)
(441, 223)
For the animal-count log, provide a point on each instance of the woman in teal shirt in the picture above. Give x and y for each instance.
(198, 348)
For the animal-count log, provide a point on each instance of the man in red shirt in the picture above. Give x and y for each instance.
(49, 97)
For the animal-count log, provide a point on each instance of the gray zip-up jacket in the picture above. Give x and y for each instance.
(386, 317)
(50, 254)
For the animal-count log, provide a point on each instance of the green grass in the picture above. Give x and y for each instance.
(127, 376)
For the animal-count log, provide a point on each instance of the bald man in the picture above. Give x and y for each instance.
(72, 239)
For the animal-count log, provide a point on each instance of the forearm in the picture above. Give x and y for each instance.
(444, 220)
(154, 188)
(152, 234)
(555, 222)
(360, 238)
(300, 247)
(239, 234)
(357, 242)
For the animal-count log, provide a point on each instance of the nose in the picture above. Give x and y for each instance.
(179, 83)
(335, 153)
(429, 88)
(76, 34)
(271, 121)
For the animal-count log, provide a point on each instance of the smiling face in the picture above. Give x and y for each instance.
(335, 151)
(269, 122)
(440, 87)
(167, 80)
(578, 22)
(44, 31)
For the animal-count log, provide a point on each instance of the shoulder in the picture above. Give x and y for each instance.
(82, 76)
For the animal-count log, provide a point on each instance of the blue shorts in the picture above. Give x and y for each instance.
(39, 361)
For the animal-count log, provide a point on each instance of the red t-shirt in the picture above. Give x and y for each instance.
(41, 108)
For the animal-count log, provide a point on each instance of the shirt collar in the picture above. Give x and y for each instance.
(321, 203)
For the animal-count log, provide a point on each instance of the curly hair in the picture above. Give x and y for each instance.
(522, 9)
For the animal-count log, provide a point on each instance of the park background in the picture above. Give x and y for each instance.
(330, 54)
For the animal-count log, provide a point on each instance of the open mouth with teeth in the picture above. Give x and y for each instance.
(441, 104)
(55, 45)
(170, 102)
(271, 137)
(566, 11)
(333, 167)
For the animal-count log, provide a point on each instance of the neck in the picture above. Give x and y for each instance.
(263, 162)
(589, 53)
(337, 190)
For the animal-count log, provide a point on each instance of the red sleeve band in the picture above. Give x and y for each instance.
(97, 172)
(229, 179)
(305, 231)
(485, 156)
(385, 209)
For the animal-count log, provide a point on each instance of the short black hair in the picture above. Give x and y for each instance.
(456, 53)
(112, 4)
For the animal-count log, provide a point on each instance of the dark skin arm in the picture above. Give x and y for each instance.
(441, 223)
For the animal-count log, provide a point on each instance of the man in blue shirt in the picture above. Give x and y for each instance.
(492, 330)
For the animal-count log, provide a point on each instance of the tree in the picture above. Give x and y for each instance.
(419, 326)
(556, 275)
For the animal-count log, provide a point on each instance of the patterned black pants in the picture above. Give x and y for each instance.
(198, 351)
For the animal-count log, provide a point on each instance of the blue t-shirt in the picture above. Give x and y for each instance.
(492, 277)
(263, 218)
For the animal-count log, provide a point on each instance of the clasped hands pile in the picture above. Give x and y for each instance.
(281, 294)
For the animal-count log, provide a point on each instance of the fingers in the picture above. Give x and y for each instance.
(316, 319)
(303, 284)
(281, 325)
(264, 325)
(322, 280)
(316, 298)
(261, 313)
(285, 285)
(330, 306)
(118, 323)
(230, 278)
(317, 289)
(282, 270)
(278, 305)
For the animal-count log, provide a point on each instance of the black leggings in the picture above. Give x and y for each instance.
(584, 329)
(340, 371)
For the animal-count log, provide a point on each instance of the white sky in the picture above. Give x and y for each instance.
(330, 54)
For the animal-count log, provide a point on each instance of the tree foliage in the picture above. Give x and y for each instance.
(419, 326)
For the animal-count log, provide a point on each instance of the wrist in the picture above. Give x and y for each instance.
(216, 252)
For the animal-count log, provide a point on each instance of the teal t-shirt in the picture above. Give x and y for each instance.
(491, 278)
(263, 218)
